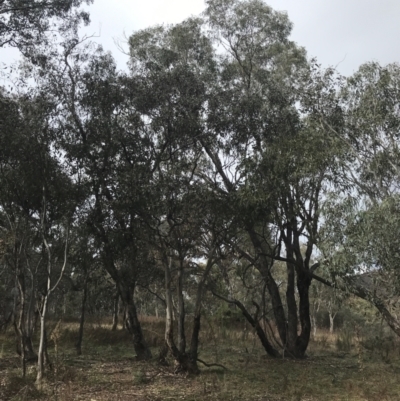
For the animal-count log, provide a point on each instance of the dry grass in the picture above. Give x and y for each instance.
(107, 369)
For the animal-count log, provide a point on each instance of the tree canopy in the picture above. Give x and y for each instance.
(223, 155)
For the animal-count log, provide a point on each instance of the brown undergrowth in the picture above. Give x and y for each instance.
(107, 370)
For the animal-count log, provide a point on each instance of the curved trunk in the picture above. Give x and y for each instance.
(263, 267)
(132, 322)
(126, 291)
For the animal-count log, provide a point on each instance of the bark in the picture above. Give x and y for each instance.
(29, 351)
(126, 292)
(393, 323)
(291, 343)
(295, 344)
(19, 325)
(315, 310)
(262, 265)
(331, 322)
(23, 325)
(41, 351)
(314, 325)
(133, 325)
(115, 312)
(303, 286)
(181, 313)
(194, 342)
(78, 345)
(183, 361)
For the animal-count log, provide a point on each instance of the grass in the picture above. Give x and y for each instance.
(361, 370)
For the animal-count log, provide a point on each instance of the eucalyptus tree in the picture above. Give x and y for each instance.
(24, 23)
(173, 66)
(223, 98)
(361, 223)
(106, 153)
(37, 203)
(17, 202)
(259, 142)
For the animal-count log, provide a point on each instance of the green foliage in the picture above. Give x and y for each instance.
(24, 24)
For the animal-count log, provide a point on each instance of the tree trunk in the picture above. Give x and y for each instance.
(291, 344)
(315, 310)
(331, 323)
(115, 312)
(194, 343)
(262, 264)
(303, 286)
(132, 322)
(19, 325)
(42, 345)
(78, 345)
(126, 291)
(183, 361)
(181, 313)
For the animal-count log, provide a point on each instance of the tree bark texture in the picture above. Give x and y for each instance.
(126, 292)
(183, 361)
(132, 322)
(78, 345)
(115, 312)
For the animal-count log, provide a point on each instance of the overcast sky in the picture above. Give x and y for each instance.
(342, 33)
(345, 33)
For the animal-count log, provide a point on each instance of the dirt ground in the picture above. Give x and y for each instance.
(107, 370)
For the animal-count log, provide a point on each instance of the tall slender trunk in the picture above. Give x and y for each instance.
(78, 345)
(331, 321)
(42, 343)
(19, 325)
(181, 312)
(290, 346)
(115, 312)
(169, 329)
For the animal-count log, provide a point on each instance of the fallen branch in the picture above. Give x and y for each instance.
(209, 365)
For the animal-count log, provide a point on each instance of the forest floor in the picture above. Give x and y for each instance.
(338, 367)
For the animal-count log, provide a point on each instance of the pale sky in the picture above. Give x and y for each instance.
(342, 33)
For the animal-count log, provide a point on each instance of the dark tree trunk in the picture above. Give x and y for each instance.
(132, 322)
(263, 266)
(294, 344)
(126, 291)
(291, 345)
(29, 353)
(254, 321)
(78, 345)
(115, 312)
